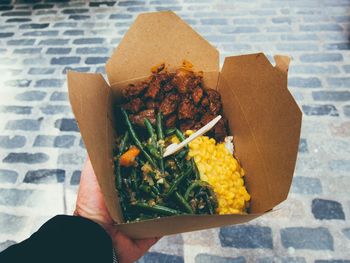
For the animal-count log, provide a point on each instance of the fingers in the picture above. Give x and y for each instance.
(146, 244)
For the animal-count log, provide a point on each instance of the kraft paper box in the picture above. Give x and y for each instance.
(263, 116)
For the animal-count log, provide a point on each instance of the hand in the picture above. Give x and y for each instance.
(93, 207)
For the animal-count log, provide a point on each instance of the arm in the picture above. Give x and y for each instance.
(63, 239)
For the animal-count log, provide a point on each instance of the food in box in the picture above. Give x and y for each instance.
(260, 111)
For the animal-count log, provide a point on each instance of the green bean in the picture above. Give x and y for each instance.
(150, 130)
(209, 204)
(159, 126)
(183, 203)
(163, 210)
(133, 179)
(195, 168)
(170, 131)
(118, 176)
(153, 151)
(136, 139)
(155, 190)
(194, 185)
(178, 180)
(180, 136)
(123, 143)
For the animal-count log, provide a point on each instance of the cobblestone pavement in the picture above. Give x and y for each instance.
(41, 152)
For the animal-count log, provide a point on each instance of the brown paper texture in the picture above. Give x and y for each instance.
(263, 116)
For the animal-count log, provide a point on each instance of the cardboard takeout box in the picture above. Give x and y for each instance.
(263, 116)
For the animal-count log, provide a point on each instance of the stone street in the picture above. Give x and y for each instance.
(41, 151)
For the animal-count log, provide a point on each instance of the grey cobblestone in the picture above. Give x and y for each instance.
(327, 209)
(40, 40)
(307, 238)
(28, 158)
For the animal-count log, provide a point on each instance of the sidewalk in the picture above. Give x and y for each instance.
(41, 152)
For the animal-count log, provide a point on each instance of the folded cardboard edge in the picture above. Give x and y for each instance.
(155, 38)
(265, 122)
(180, 224)
(91, 101)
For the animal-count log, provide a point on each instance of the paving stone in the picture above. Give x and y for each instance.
(17, 13)
(6, 244)
(65, 60)
(67, 125)
(75, 11)
(21, 42)
(332, 261)
(304, 82)
(130, 3)
(88, 41)
(347, 110)
(303, 148)
(31, 96)
(34, 26)
(339, 165)
(28, 158)
(92, 50)
(45, 176)
(12, 142)
(58, 51)
(27, 51)
(282, 260)
(73, 33)
(24, 124)
(96, 60)
(16, 109)
(55, 109)
(59, 96)
(346, 232)
(75, 179)
(14, 224)
(65, 24)
(49, 83)
(331, 95)
(81, 143)
(64, 141)
(6, 34)
(6, 7)
(321, 27)
(79, 17)
(314, 58)
(327, 209)
(307, 238)
(98, 4)
(71, 158)
(338, 46)
(54, 42)
(15, 197)
(19, 83)
(306, 185)
(8, 176)
(43, 6)
(18, 20)
(41, 71)
(206, 258)
(154, 257)
(44, 141)
(246, 237)
(339, 82)
(120, 16)
(320, 110)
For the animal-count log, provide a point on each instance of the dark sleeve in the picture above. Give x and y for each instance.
(63, 239)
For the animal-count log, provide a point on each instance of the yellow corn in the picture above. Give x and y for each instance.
(221, 170)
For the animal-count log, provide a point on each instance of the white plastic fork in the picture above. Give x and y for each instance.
(175, 147)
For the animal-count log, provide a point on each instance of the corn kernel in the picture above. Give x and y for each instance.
(222, 171)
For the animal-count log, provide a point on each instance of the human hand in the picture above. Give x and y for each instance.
(90, 204)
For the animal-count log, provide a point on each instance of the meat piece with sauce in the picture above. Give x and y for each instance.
(187, 109)
(169, 104)
(214, 101)
(139, 118)
(134, 90)
(135, 105)
(197, 94)
(170, 122)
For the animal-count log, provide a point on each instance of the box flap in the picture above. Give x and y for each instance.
(155, 38)
(265, 121)
(179, 224)
(91, 100)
